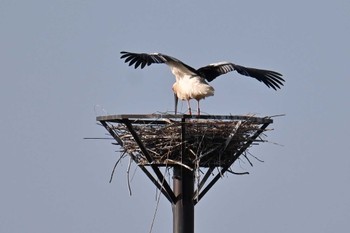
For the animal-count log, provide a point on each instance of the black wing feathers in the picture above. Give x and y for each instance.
(210, 72)
(269, 78)
(142, 59)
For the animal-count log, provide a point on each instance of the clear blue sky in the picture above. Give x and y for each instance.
(60, 67)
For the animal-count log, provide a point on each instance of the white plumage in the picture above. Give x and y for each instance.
(193, 84)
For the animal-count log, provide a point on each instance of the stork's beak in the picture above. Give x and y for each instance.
(176, 101)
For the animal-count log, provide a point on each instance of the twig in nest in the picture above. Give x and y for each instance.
(194, 154)
(133, 174)
(115, 165)
(219, 170)
(255, 157)
(178, 163)
(200, 146)
(245, 156)
(128, 177)
(157, 205)
(232, 134)
(238, 173)
(207, 152)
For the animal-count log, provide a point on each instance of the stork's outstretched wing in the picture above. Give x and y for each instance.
(143, 59)
(269, 78)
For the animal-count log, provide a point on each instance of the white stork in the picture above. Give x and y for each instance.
(193, 84)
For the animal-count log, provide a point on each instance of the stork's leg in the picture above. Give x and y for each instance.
(198, 109)
(189, 107)
(176, 101)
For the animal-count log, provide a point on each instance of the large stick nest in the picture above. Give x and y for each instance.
(205, 143)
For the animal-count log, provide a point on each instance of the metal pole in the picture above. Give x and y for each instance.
(183, 209)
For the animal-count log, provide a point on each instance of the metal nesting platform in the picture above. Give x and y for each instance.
(199, 150)
(192, 142)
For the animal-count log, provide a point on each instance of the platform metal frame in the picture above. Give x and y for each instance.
(183, 195)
